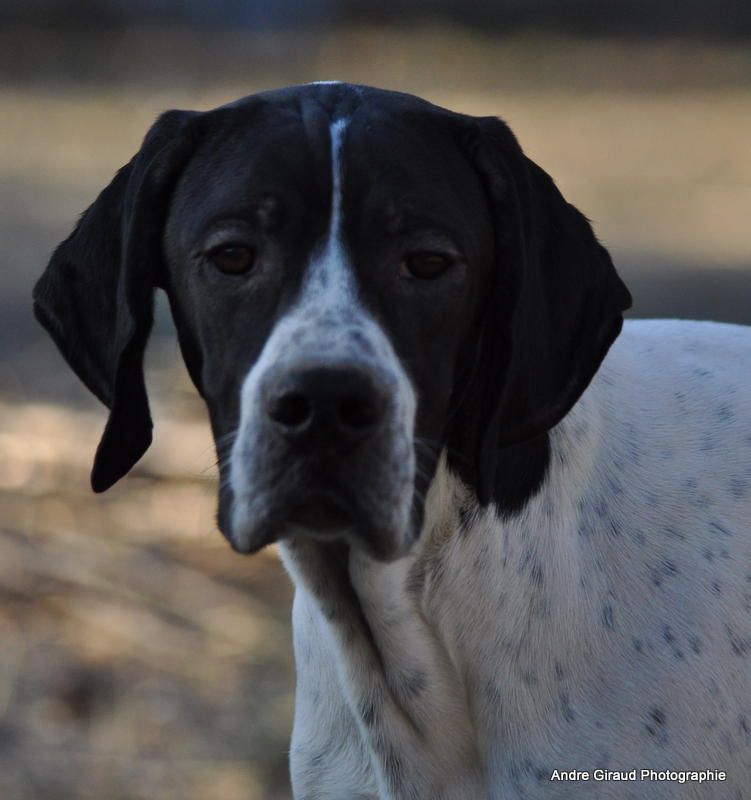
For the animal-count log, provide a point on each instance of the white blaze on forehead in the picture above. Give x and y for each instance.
(337, 135)
(328, 275)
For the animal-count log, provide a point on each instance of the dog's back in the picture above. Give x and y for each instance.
(665, 523)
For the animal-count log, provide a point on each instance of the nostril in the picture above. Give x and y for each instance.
(359, 412)
(293, 410)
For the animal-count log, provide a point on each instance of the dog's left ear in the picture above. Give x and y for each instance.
(554, 307)
(96, 296)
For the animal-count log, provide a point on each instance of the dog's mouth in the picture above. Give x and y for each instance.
(321, 516)
(367, 501)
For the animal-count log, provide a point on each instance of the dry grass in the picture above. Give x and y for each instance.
(140, 658)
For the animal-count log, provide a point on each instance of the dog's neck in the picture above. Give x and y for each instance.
(502, 602)
(485, 624)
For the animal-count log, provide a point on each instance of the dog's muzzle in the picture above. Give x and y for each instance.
(323, 415)
(324, 449)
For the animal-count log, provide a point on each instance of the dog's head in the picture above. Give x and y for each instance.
(359, 280)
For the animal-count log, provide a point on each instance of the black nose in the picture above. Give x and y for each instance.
(344, 404)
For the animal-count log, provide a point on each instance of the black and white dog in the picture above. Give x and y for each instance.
(513, 556)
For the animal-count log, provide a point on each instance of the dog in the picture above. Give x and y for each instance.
(519, 531)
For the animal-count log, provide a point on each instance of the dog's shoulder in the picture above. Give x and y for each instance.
(684, 384)
(671, 409)
(708, 356)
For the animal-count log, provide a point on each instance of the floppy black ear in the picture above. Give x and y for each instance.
(554, 308)
(96, 296)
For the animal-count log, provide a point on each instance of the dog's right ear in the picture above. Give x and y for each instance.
(96, 296)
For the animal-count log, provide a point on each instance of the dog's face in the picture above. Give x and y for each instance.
(330, 277)
(359, 280)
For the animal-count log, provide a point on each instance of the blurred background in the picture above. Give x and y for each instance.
(139, 658)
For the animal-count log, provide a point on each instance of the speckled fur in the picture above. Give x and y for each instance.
(608, 624)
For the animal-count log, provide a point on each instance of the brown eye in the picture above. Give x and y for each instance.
(234, 259)
(424, 265)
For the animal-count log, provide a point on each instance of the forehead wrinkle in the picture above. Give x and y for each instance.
(315, 121)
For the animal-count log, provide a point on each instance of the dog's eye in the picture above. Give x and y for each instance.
(233, 259)
(424, 265)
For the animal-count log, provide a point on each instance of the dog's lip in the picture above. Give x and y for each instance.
(325, 513)
(320, 515)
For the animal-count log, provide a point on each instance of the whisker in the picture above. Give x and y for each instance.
(227, 440)
(435, 448)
